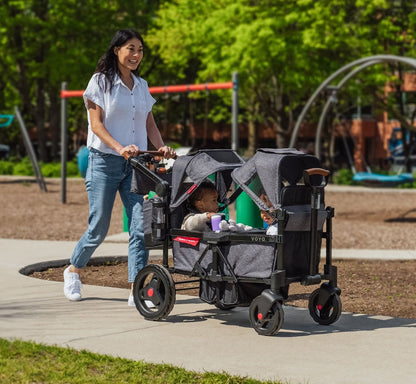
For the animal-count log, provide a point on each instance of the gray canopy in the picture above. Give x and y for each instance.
(268, 170)
(189, 171)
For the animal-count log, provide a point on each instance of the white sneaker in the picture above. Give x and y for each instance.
(130, 301)
(72, 285)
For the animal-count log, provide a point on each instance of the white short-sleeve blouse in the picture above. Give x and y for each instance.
(125, 111)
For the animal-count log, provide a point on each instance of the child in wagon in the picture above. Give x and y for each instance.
(203, 204)
(270, 221)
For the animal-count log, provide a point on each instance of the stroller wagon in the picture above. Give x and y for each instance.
(240, 268)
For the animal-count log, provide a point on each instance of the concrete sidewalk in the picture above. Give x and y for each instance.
(197, 336)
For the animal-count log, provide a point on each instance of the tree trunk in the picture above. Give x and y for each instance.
(191, 122)
(251, 135)
(206, 111)
(40, 120)
(54, 121)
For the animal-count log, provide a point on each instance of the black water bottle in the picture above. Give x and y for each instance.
(158, 219)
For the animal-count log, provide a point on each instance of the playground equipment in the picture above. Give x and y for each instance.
(355, 67)
(5, 121)
(28, 146)
(396, 149)
(396, 156)
(153, 90)
(371, 178)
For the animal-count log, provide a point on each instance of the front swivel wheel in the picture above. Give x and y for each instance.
(266, 316)
(154, 292)
(324, 308)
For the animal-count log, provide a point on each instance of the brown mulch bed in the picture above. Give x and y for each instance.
(371, 287)
(372, 219)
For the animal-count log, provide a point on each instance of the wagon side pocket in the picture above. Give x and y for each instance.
(186, 252)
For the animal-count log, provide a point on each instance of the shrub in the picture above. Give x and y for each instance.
(23, 168)
(6, 167)
(72, 169)
(54, 169)
(344, 177)
(51, 169)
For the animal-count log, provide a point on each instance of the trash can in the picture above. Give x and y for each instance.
(247, 212)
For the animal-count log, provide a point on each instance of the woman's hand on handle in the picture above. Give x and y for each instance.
(167, 152)
(129, 151)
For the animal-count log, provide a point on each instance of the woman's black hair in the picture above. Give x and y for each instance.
(107, 64)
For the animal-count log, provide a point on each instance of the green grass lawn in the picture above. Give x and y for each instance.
(28, 362)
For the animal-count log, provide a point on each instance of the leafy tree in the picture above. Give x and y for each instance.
(45, 42)
(282, 49)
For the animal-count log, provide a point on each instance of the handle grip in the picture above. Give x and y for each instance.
(307, 173)
(317, 171)
(154, 153)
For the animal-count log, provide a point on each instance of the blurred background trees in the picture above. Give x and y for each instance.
(281, 49)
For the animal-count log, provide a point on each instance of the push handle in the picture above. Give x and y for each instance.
(307, 173)
(154, 153)
(317, 171)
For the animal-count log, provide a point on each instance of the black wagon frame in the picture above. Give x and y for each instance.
(218, 260)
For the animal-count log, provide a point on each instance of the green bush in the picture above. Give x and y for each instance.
(409, 185)
(54, 169)
(23, 168)
(72, 169)
(344, 177)
(6, 167)
(51, 169)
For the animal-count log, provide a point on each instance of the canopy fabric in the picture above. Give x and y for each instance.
(267, 171)
(189, 171)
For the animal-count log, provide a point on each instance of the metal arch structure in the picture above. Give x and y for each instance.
(362, 63)
(333, 99)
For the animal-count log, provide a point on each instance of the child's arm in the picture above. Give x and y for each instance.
(197, 222)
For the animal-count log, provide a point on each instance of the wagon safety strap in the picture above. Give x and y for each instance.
(187, 240)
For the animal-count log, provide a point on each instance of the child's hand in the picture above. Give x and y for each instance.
(210, 214)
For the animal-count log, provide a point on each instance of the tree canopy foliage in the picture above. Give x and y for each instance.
(282, 50)
(45, 42)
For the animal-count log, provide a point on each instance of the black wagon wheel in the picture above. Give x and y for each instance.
(154, 292)
(266, 319)
(326, 313)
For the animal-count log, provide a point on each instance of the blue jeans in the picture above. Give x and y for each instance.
(107, 174)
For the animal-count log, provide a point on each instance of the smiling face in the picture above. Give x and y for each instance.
(129, 55)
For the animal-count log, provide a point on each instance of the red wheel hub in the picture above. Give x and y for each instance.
(150, 292)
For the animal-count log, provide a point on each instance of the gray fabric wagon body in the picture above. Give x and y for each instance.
(275, 172)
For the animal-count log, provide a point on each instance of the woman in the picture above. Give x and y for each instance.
(120, 121)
